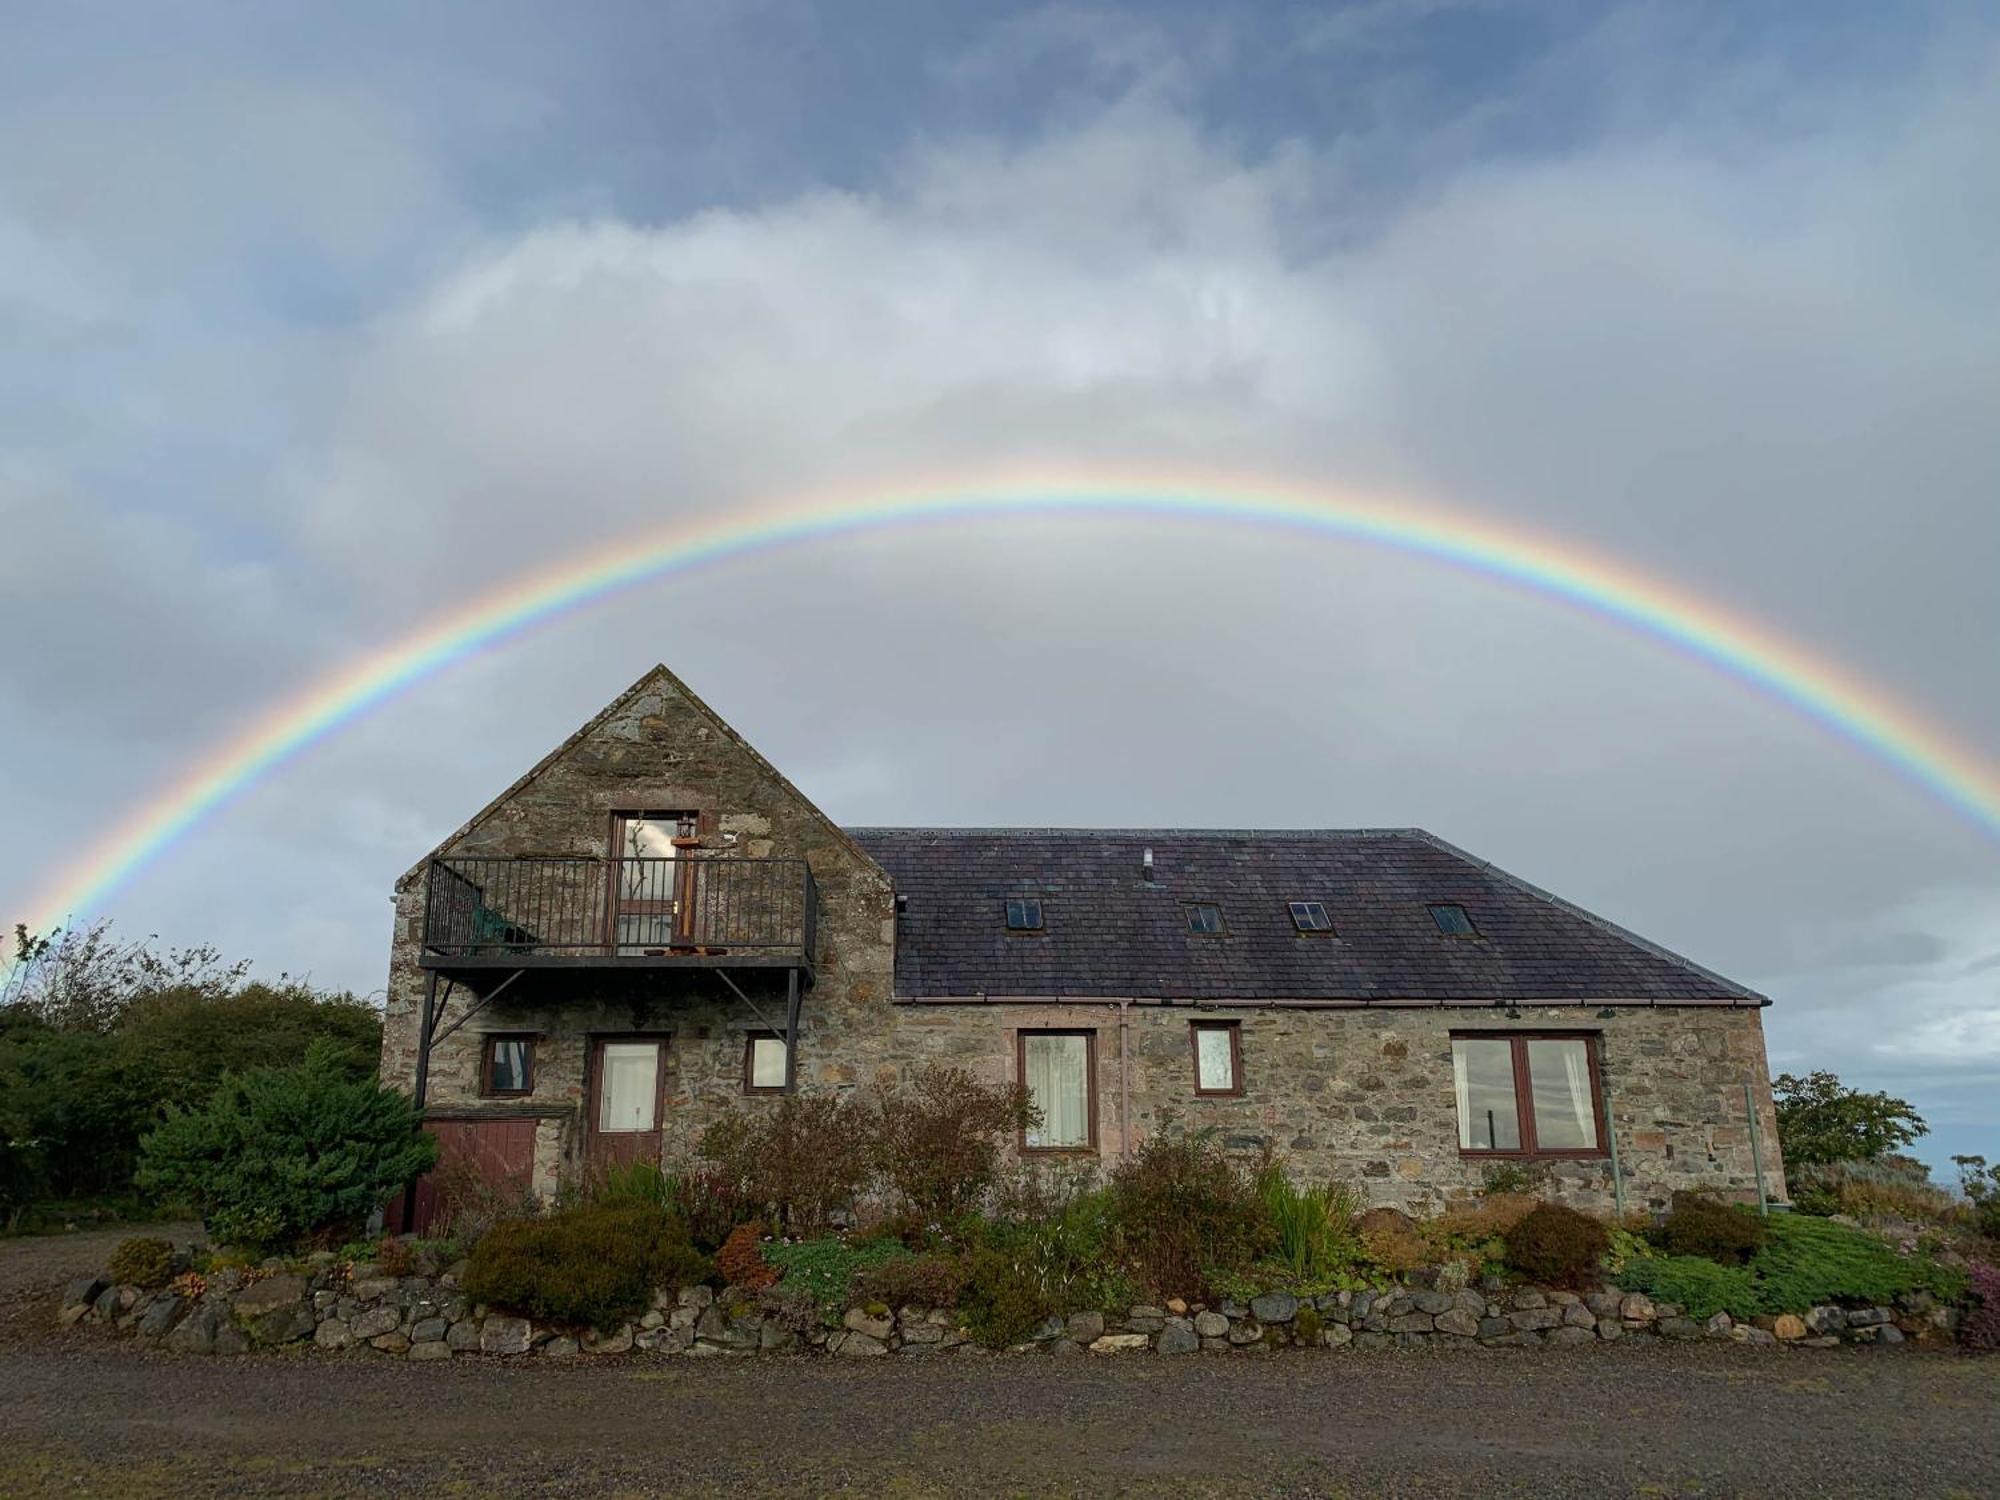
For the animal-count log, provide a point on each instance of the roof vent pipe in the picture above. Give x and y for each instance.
(1146, 865)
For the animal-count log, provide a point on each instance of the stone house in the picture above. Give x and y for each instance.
(653, 925)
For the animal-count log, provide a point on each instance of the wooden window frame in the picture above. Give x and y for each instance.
(487, 1042)
(1235, 1030)
(595, 1042)
(1221, 929)
(750, 1041)
(1524, 1095)
(680, 904)
(1089, 1035)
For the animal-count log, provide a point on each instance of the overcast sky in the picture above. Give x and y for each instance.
(315, 320)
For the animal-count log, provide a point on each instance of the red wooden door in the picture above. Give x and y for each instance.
(628, 1084)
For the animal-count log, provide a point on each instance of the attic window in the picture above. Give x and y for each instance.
(1310, 916)
(1205, 918)
(1024, 914)
(1453, 922)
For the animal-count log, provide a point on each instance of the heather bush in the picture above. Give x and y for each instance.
(588, 1264)
(1703, 1225)
(914, 1281)
(1181, 1212)
(281, 1154)
(741, 1259)
(1979, 1327)
(1557, 1246)
(143, 1262)
(798, 1162)
(939, 1142)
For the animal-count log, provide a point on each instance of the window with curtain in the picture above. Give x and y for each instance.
(508, 1066)
(764, 1065)
(628, 1093)
(1216, 1058)
(1527, 1095)
(1058, 1069)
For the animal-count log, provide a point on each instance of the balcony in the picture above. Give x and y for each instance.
(485, 916)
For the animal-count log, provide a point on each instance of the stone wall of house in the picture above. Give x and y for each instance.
(1363, 1094)
(657, 748)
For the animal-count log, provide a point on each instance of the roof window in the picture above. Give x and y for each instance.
(1452, 921)
(1205, 917)
(1024, 914)
(1310, 916)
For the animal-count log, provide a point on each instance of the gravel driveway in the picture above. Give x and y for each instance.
(84, 1415)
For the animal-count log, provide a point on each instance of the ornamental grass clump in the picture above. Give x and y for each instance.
(280, 1156)
(1316, 1242)
(1557, 1246)
(593, 1264)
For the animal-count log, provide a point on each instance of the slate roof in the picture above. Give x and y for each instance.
(1108, 933)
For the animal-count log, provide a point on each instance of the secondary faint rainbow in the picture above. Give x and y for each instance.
(1787, 671)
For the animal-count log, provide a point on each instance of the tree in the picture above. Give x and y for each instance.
(1821, 1120)
(282, 1155)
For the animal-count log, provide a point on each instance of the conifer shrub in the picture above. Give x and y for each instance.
(282, 1155)
(144, 1262)
(914, 1281)
(593, 1264)
(1702, 1224)
(1557, 1246)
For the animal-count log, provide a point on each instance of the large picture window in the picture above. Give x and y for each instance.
(1527, 1095)
(1059, 1069)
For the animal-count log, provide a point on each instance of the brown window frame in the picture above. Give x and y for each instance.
(487, 1043)
(1524, 1095)
(1089, 1035)
(1235, 1030)
(679, 905)
(750, 1041)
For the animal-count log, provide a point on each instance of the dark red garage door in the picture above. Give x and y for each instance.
(500, 1153)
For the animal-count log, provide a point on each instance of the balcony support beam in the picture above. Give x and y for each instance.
(792, 1031)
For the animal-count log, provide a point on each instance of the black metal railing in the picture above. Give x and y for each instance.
(522, 906)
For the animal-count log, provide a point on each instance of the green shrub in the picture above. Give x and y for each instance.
(281, 1154)
(1023, 1271)
(639, 1182)
(1804, 1262)
(825, 1269)
(939, 1142)
(1181, 1212)
(1706, 1226)
(1700, 1286)
(143, 1262)
(592, 1264)
(914, 1281)
(1557, 1246)
(1808, 1261)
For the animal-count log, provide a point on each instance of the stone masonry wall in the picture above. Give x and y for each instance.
(1362, 1094)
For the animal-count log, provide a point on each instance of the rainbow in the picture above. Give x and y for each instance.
(1863, 715)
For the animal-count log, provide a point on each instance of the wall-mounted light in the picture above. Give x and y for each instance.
(1607, 1014)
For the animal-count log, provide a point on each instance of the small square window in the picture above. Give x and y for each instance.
(1205, 917)
(1310, 916)
(1218, 1058)
(507, 1065)
(1453, 922)
(1024, 914)
(764, 1064)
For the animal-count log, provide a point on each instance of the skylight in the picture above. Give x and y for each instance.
(1205, 917)
(1024, 914)
(1452, 921)
(1310, 916)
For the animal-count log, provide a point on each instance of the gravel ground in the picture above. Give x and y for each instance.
(84, 1415)
(32, 1263)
